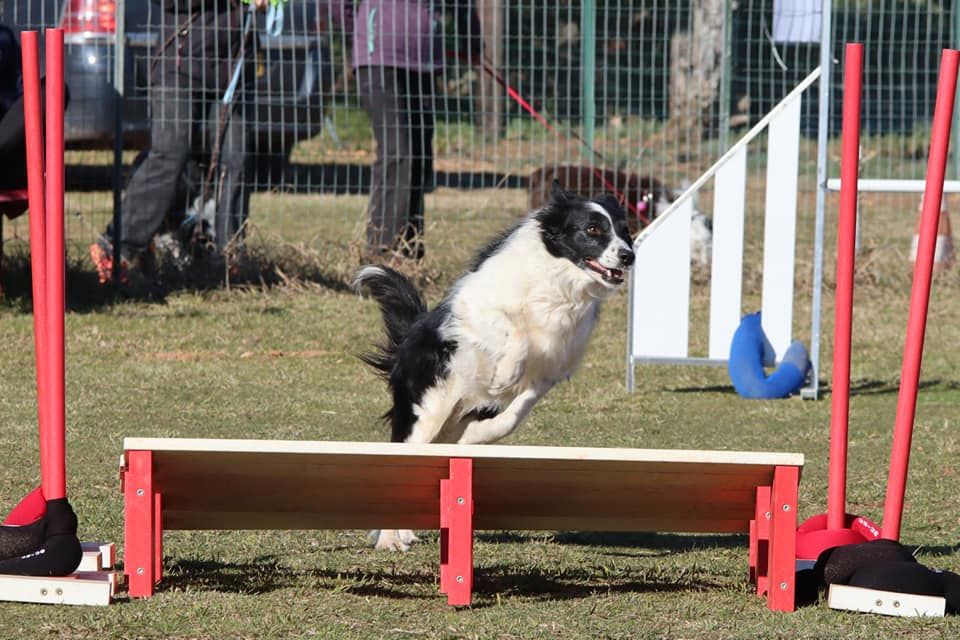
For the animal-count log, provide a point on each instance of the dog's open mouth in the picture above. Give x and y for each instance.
(613, 276)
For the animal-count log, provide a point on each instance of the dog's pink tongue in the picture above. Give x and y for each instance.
(596, 266)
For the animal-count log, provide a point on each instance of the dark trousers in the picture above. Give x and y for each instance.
(13, 141)
(151, 192)
(399, 103)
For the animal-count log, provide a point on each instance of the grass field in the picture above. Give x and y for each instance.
(277, 360)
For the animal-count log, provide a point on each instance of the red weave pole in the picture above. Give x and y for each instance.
(920, 295)
(54, 481)
(846, 235)
(30, 55)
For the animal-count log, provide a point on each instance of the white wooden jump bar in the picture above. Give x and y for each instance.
(888, 603)
(894, 186)
(269, 484)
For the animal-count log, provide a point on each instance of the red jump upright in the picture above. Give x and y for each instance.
(40, 535)
(920, 295)
(838, 527)
(53, 476)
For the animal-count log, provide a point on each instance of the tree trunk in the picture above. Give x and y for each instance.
(696, 66)
(490, 99)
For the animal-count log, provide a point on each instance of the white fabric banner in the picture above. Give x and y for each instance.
(796, 20)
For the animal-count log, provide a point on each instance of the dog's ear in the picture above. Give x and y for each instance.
(557, 192)
(610, 202)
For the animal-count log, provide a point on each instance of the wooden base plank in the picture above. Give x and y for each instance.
(107, 551)
(91, 561)
(888, 603)
(88, 588)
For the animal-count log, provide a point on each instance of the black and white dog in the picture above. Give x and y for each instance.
(471, 369)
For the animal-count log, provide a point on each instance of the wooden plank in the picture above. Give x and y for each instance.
(90, 561)
(264, 484)
(270, 520)
(888, 603)
(108, 552)
(440, 453)
(88, 588)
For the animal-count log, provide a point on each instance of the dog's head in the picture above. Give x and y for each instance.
(592, 234)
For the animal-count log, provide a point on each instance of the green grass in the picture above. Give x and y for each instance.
(278, 362)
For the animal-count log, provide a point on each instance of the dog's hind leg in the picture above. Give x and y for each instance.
(503, 424)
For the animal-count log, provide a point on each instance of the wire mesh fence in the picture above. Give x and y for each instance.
(496, 90)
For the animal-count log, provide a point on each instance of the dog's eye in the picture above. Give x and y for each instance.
(594, 230)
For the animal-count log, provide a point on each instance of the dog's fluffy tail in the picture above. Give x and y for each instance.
(400, 303)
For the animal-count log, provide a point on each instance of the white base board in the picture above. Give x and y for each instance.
(85, 589)
(888, 603)
(93, 583)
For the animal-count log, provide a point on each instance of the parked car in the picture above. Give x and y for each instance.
(294, 71)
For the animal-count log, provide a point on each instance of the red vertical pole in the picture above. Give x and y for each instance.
(920, 295)
(141, 530)
(456, 533)
(846, 234)
(760, 541)
(781, 586)
(33, 125)
(54, 481)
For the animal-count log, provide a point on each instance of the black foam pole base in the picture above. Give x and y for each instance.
(57, 556)
(16, 541)
(47, 547)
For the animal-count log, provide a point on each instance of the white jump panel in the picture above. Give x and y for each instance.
(726, 273)
(661, 288)
(780, 228)
(659, 321)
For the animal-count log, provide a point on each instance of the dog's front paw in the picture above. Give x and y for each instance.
(393, 539)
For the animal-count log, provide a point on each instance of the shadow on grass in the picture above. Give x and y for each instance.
(85, 294)
(267, 574)
(857, 388)
(668, 542)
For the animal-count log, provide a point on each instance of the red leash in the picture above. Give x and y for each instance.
(520, 100)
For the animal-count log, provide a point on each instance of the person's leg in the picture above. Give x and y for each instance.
(381, 98)
(152, 188)
(420, 109)
(234, 169)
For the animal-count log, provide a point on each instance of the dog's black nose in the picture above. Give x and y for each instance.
(626, 257)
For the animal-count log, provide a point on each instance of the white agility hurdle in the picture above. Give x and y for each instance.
(659, 307)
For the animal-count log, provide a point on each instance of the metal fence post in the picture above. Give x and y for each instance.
(119, 54)
(588, 48)
(823, 128)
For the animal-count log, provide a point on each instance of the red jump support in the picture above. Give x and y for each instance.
(846, 247)
(143, 525)
(38, 244)
(55, 479)
(773, 540)
(837, 527)
(920, 295)
(456, 533)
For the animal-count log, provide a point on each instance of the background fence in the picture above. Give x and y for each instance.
(654, 87)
